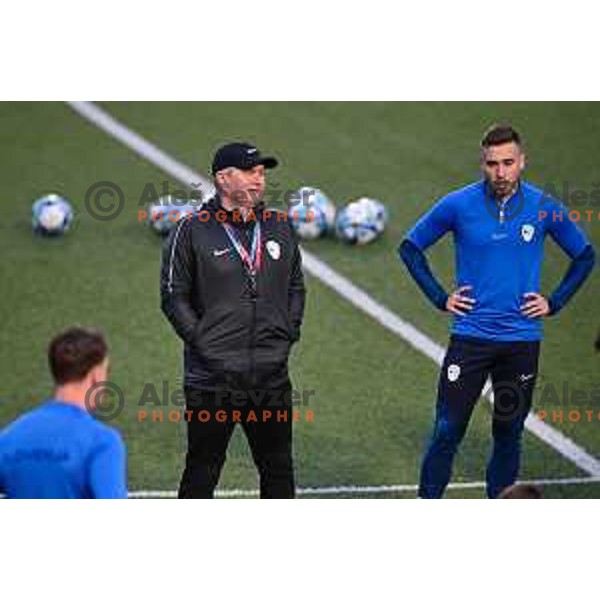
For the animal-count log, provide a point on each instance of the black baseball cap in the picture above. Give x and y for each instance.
(242, 156)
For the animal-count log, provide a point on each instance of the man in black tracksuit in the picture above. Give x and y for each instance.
(233, 290)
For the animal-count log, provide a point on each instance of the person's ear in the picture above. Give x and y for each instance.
(482, 156)
(93, 376)
(221, 180)
(97, 374)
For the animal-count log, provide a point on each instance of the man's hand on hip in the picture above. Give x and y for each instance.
(535, 306)
(458, 303)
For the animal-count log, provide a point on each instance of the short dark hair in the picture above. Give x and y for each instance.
(74, 352)
(521, 491)
(500, 134)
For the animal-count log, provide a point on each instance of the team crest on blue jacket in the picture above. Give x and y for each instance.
(527, 232)
(274, 249)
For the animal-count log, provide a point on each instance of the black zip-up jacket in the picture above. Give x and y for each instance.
(235, 334)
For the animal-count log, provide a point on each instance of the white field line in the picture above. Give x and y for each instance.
(142, 147)
(366, 490)
(340, 284)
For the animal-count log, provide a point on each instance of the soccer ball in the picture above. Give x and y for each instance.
(51, 215)
(166, 212)
(313, 215)
(315, 197)
(309, 221)
(361, 221)
(378, 210)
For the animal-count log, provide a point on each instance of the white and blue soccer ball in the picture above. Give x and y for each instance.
(166, 212)
(361, 222)
(316, 197)
(313, 215)
(309, 221)
(51, 215)
(378, 211)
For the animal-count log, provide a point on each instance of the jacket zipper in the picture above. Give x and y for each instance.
(252, 344)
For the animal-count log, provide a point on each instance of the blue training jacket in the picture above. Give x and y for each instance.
(59, 450)
(499, 251)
